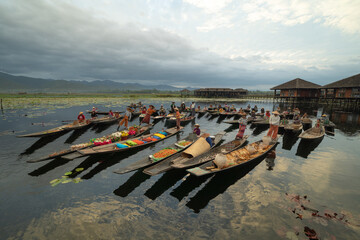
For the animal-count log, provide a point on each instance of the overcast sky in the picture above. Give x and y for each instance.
(253, 44)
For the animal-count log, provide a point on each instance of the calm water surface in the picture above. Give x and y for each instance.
(305, 186)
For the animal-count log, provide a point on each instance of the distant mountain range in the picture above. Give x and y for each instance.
(11, 83)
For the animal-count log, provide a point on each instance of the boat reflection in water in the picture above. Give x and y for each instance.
(41, 142)
(289, 140)
(166, 181)
(132, 183)
(305, 147)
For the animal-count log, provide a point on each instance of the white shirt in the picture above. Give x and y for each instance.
(192, 106)
(274, 120)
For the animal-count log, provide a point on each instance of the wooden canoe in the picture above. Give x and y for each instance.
(148, 161)
(104, 120)
(225, 148)
(293, 127)
(57, 130)
(102, 112)
(312, 133)
(228, 114)
(210, 167)
(182, 120)
(165, 165)
(67, 152)
(111, 148)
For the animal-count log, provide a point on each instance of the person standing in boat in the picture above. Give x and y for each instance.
(242, 127)
(274, 122)
(192, 107)
(126, 119)
(178, 117)
(172, 107)
(81, 117)
(149, 112)
(262, 111)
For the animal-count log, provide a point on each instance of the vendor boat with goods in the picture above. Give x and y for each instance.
(160, 155)
(238, 158)
(128, 145)
(65, 128)
(225, 148)
(70, 153)
(198, 148)
(292, 127)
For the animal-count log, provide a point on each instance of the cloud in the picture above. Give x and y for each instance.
(339, 14)
(64, 41)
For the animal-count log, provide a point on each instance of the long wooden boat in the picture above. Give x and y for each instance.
(228, 114)
(89, 144)
(215, 113)
(330, 124)
(295, 128)
(237, 158)
(165, 165)
(182, 120)
(150, 160)
(103, 112)
(105, 120)
(115, 147)
(57, 130)
(313, 133)
(225, 148)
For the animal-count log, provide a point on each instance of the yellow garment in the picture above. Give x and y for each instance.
(159, 135)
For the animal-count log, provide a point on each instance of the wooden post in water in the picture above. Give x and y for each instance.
(1, 104)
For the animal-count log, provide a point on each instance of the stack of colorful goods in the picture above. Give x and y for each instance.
(163, 153)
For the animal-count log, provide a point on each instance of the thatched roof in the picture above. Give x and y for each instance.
(185, 90)
(353, 81)
(297, 83)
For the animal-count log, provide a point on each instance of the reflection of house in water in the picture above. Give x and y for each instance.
(348, 123)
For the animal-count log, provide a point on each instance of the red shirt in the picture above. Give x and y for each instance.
(81, 117)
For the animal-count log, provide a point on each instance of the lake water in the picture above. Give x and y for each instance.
(314, 185)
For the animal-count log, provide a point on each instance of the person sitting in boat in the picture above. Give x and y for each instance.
(182, 107)
(296, 119)
(232, 109)
(262, 110)
(267, 114)
(248, 107)
(296, 111)
(143, 110)
(274, 122)
(253, 114)
(325, 119)
(81, 117)
(93, 113)
(149, 112)
(255, 108)
(198, 109)
(126, 119)
(242, 127)
(162, 110)
(197, 130)
(208, 139)
(111, 114)
(205, 108)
